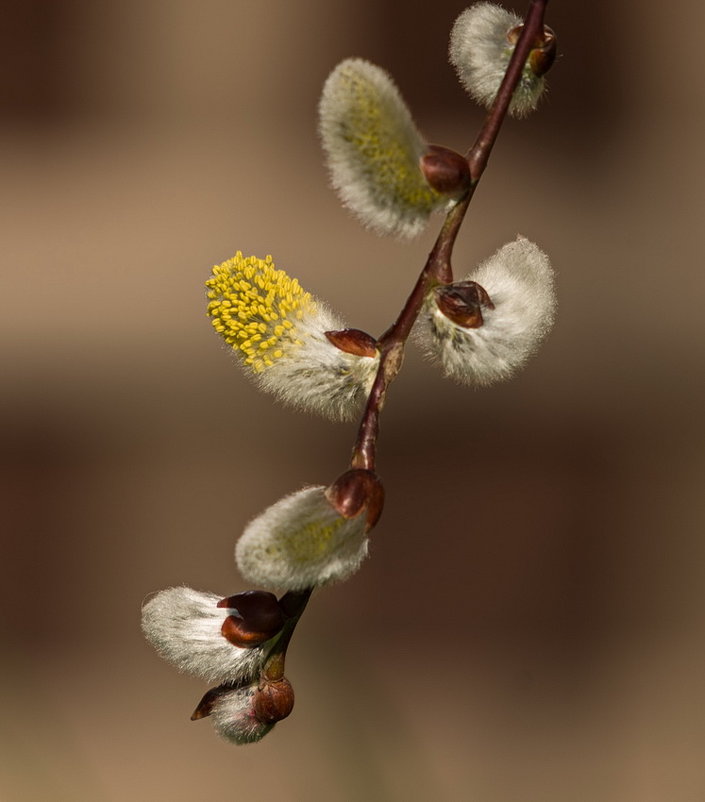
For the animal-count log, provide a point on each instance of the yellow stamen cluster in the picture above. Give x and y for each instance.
(254, 307)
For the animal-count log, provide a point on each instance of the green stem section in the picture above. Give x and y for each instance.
(293, 604)
(437, 269)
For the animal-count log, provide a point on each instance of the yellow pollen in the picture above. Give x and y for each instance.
(249, 302)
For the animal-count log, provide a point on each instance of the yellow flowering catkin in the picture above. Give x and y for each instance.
(255, 307)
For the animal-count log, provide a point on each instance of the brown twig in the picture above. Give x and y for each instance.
(437, 269)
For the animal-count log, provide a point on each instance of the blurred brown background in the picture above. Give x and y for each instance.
(530, 625)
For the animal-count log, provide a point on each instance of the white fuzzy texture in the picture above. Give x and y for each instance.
(373, 150)
(519, 281)
(315, 375)
(184, 625)
(234, 719)
(480, 53)
(277, 331)
(301, 542)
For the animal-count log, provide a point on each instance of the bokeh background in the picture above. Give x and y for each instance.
(530, 625)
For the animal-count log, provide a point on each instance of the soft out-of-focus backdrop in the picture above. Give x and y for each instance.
(531, 623)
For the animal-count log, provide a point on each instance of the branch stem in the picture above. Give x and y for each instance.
(437, 269)
(479, 153)
(293, 604)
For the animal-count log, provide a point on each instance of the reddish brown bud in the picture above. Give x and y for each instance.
(543, 52)
(235, 631)
(463, 302)
(445, 170)
(357, 490)
(353, 341)
(274, 700)
(259, 618)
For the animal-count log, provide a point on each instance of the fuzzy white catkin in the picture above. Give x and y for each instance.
(317, 376)
(183, 625)
(373, 150)
(234, 719)
(480, 52)
(277, 331)
(301, 541)
(519, 281)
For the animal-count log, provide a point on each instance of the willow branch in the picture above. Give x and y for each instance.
(437, 269)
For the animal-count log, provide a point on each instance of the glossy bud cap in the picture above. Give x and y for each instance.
(445, 170)
(355, 491)
(462, 302)
(259, 618)
(274, 700)
(353, 341)
(543, 53)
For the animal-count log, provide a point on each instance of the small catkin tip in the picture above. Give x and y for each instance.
(373, 149)
(205, 707)
(481, 44)
(234, 716)
(300, 542)
(482, 329)
(279, 332)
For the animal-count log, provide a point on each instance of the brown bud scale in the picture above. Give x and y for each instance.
(355, 491)
(463, 302)
(259, 618)
(353, 341)
(274, 700)
(445, 170)
(234, 631)
(543, 52)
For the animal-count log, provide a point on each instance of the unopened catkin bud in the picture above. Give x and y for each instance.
(373, 148)
(279, 333)
(233, 713)
(304, 540)
(482, 329)
(481, 44)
